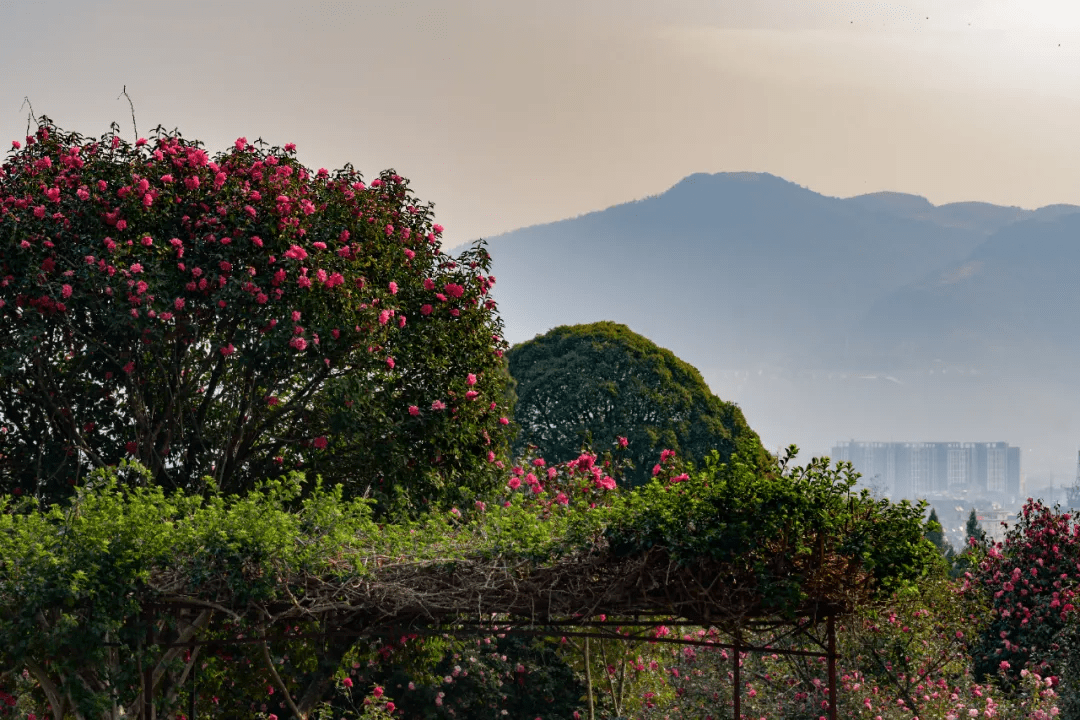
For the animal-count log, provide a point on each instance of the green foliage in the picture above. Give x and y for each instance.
(237, 317)
(484, 677)
(590, 384)
(777, 525)
(936, 535)
(75, 575)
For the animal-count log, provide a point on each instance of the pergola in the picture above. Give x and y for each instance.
(552, 599)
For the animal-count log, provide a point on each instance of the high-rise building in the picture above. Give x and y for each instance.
(918, 469)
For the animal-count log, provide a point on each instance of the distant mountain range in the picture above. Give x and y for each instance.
(747, 275)
(750, 270)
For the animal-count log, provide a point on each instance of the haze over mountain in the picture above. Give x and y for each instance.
(878, 317)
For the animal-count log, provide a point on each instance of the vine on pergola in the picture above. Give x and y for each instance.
(99, 596)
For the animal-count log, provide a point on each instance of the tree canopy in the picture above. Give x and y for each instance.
(595, 383)
(236, 317)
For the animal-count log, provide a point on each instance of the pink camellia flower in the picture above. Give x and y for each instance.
(166, 178)
(623, 442)
(437, 228)
(82, 194)
(298, 342)
(429, 284)
(390, 362)
(425, 310)
(514, 483)
(409, 253)
(65, 291)
(179, 303)
(491, 456)
(15, 144)
(393, 288)
(320, 442)
(413, 410)
(377, 692)
(504, 421)
(291, 147)
(347, 682)
(562, 499)
(384, 317)
(129, 368)
(438, 405)
(296, 252)
(471, 395)
(470, 379)
(656, 469)
(131, 446)
(227, 350)
(136, 268)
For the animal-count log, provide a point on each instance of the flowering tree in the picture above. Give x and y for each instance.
(234, 317)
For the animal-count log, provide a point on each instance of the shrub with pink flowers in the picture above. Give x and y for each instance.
(234, 317)
(1031, 580)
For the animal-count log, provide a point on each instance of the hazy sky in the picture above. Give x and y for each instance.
(507, 113)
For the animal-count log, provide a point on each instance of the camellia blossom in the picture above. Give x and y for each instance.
(320, 442)
(438, 405)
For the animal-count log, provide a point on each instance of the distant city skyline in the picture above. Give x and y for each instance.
(511, 114)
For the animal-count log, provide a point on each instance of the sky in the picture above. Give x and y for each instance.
(509, 113)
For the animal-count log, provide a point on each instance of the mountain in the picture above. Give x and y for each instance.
(1014, 301)
(880, 316)
(744, 266)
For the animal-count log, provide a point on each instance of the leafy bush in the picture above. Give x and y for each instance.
(589, 384)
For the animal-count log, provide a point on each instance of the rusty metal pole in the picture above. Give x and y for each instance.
(831, 629)
(736, 687)
(148, 668)
(193, 693)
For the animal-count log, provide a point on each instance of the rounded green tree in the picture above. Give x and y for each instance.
(594, 383)
(237, 316)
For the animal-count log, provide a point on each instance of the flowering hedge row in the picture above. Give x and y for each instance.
(235, 317)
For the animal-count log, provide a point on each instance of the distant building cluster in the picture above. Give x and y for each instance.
(927, 469)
